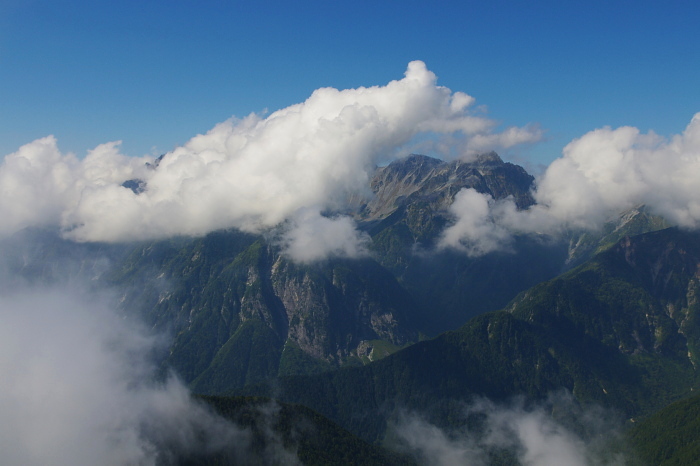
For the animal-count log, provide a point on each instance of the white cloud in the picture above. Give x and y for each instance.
(599, 175)
(432, 445)
(510, 137)
(529, 433)
(38, 184)
(476, 231)
(253, 173)
(257, 173)
(607, 171)
(311, 237)
(542, 441)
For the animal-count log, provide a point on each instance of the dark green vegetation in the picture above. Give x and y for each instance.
(241, 312)
(671, 436)
(348, 337)
(297, 432)
(619, 331)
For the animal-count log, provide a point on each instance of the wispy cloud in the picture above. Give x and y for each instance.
(528, 434)
(310, 236)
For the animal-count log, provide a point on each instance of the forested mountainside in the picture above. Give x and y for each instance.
(239, 311)
(670, 436)
(621, 330)
(360, 340)
(280, 433)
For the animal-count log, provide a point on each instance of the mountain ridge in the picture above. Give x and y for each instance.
(598, 331)
(240, 311)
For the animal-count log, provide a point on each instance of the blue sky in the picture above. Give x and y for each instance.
(154, 74)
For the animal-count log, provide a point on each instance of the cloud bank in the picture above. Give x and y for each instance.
(252, 173)
(601, 174)
(290, 167)
(77, 388)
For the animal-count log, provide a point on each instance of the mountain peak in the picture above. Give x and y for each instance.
(436, 182)
(419, 159)
(415, 166)
(489, 158)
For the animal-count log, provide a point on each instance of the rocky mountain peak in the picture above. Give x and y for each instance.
(413, 168)
(419, 177)
(489, 158)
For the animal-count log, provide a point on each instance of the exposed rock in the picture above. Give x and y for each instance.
(419, 178)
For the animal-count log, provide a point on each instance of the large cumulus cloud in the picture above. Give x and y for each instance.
(599, 175)
(292, 167)
(251, 173)
(609, 170)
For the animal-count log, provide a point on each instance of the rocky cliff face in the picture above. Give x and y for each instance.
(236, 305)
(667, 263)
(333, 310)
(433, 182)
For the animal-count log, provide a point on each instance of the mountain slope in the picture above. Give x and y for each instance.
(239, 311)
(671, 436)
(409, 211)
(618, 331)
(304, 434)
(432, 184)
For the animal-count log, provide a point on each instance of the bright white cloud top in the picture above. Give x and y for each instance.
(251, 174)
(603, 173)
(287, 168)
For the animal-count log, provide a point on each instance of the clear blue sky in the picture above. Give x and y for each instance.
(155, 73)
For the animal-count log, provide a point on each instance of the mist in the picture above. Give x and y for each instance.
(78, 387)
(555, 432)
